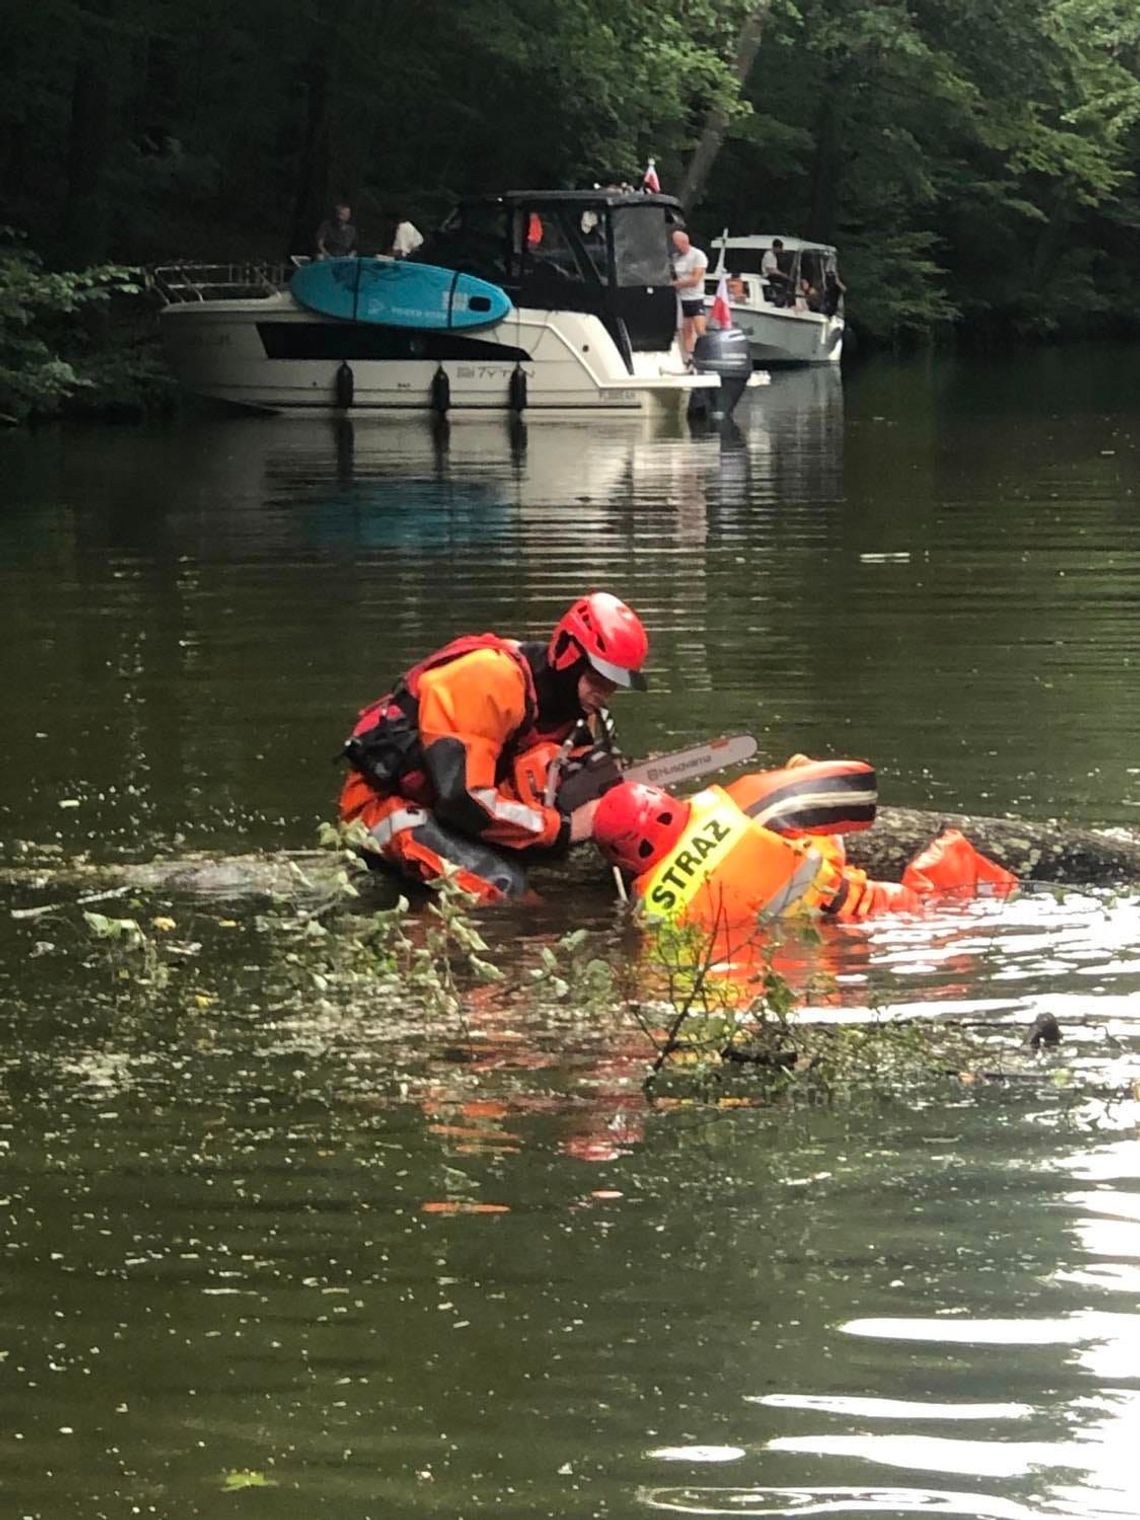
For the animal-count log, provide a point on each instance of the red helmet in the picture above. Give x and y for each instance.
(636, 825)
(608, 633)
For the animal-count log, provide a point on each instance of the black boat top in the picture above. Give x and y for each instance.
(605, 251)
(599, 195)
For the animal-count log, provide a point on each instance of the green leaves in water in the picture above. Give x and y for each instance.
(133, 951)
(245, 1477)
(710, 1014)
(569, 973)
(122, 931)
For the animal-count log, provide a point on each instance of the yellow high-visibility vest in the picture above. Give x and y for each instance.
(725, 868)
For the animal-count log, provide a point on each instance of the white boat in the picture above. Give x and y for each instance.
(797, 320)
(592, 323)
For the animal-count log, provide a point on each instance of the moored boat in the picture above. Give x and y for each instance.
(794, 318)
(589, 324)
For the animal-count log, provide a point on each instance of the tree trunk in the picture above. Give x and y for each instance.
(1050, 241)
(86, 215)
(311, 204)
(825, 168)
(712, 138)
(1035, 851)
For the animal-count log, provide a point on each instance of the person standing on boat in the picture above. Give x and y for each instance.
(689, 266)
(773, 275)
(336, 236)
(833, 291)
(406, 238)
(449, 769)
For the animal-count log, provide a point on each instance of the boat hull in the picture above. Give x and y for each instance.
(269, 354)
(776, 336)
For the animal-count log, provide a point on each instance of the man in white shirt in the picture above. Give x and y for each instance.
(772, 274)
(689, 265)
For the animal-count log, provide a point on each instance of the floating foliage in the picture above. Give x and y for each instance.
(238, 1478)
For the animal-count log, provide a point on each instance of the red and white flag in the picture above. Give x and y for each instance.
(721, 312)
(649, 180)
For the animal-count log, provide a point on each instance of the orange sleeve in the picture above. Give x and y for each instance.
(470, 710)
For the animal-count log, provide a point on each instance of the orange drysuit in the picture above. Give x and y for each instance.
(435, 761)
(725, 868)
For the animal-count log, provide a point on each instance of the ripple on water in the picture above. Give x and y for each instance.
(800, 1502)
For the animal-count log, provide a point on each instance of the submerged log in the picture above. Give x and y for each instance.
(1036, 851)
(297, 876)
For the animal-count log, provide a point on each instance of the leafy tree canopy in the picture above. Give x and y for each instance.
(973, 159)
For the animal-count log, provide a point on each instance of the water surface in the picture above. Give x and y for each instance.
(261, 1235)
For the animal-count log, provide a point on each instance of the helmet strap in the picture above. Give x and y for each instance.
(557, 690)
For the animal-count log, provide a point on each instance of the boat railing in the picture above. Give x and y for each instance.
(179, 284)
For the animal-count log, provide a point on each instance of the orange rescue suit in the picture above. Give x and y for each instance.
(475, 714)
(727, 869)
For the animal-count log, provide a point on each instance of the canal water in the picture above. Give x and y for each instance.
(282, 1243)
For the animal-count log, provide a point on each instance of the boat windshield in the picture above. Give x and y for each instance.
(743, 260)
(809, 263)
(641, 246)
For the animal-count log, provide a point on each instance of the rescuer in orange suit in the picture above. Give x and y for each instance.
(704, 861)
(447, 769)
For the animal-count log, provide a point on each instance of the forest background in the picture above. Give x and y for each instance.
(975, 160)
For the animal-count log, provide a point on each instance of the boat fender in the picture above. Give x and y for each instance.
(345, 385)
(440, 391)
(516, 389)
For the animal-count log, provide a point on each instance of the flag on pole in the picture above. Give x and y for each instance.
(721, 312)
(649, 180)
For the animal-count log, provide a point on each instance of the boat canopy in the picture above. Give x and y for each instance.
(602, 251)
(764, 240)
(798, 258)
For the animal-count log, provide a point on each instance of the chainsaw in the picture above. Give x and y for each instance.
(573, 779)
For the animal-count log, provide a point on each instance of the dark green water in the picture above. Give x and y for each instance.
(216, 1253)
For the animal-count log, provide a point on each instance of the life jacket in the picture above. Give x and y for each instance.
(725, 868)
(384, 746)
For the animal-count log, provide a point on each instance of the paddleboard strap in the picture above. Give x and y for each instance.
(451, 296)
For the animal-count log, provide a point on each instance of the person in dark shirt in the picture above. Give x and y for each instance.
(336, 236)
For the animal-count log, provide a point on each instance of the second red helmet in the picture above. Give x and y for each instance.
(608, 633)
(636, 825)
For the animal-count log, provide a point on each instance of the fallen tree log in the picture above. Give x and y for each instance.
(1033, 850)
(1046, 851)
(296, 876)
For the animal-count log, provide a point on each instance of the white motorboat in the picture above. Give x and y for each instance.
(591, 324)
(795, 318)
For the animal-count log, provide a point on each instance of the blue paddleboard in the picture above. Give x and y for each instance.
(393, 293)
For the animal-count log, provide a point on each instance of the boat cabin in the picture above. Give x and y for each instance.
(799, 261)
(600, 251)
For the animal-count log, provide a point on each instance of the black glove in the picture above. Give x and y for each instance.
(586, 778)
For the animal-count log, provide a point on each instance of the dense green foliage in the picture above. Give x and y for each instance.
(972, 158)
(49, 349)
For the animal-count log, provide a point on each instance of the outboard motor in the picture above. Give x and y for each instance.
(724, 352)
